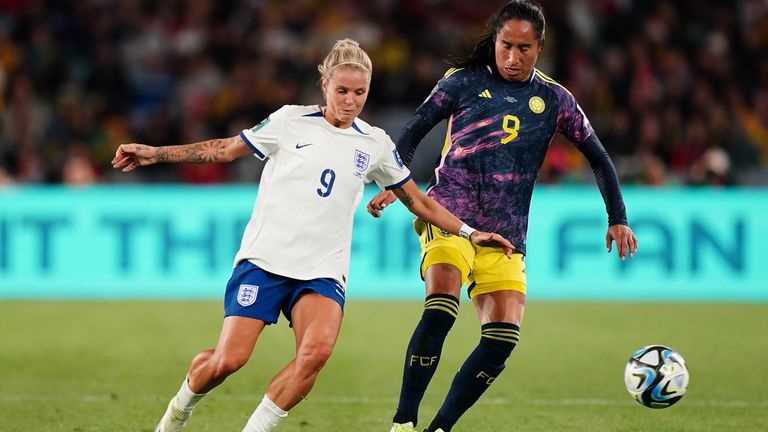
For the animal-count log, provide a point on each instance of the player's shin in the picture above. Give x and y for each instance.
(481, 368)
(423, 355)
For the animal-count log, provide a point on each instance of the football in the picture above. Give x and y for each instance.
(656, 376)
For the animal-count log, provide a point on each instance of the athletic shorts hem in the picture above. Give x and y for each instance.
(489, 287)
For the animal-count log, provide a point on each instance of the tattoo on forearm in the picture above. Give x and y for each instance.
(203, 152)
(407, 200)
(162, 154)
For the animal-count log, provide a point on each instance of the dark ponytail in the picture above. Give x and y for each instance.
(484, 51)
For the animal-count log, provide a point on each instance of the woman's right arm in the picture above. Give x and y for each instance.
(438, 106)
(128, 157)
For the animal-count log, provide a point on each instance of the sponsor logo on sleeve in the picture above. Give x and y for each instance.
(398, 161)
(260, 125)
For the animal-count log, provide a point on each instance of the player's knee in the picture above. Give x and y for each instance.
(312, 357)
(201, 358)
(228, 364)
(440, 312)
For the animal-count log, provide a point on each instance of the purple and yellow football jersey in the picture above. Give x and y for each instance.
(498, 135)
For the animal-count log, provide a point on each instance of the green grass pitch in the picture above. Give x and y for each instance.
(112, 366)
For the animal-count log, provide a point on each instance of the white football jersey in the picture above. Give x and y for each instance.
(313, 180)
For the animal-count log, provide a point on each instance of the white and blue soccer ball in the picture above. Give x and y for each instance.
(656, 376)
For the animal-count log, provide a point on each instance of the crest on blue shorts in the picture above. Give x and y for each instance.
(246, 296)
(361, 160)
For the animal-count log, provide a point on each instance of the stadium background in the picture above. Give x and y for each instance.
(677, 90)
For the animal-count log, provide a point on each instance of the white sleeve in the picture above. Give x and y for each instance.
(263, 138)
(390, 172)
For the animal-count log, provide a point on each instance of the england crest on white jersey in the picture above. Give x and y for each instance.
(362, 159)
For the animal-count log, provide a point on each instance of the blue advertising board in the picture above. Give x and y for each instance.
(145, 242)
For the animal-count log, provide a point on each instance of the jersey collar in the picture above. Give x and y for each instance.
(355, 127)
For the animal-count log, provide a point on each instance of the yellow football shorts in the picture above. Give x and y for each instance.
(483, 269)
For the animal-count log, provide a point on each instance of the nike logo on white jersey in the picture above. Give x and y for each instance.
(300, 145)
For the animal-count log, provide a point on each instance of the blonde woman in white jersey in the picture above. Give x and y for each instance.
(294, 255)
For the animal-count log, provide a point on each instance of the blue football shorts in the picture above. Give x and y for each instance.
(256, 293)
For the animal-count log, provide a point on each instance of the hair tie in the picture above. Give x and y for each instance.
(360, 65)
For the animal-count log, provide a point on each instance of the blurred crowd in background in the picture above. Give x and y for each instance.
(676, 90)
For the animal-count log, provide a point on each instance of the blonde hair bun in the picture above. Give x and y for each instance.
(345, 52)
